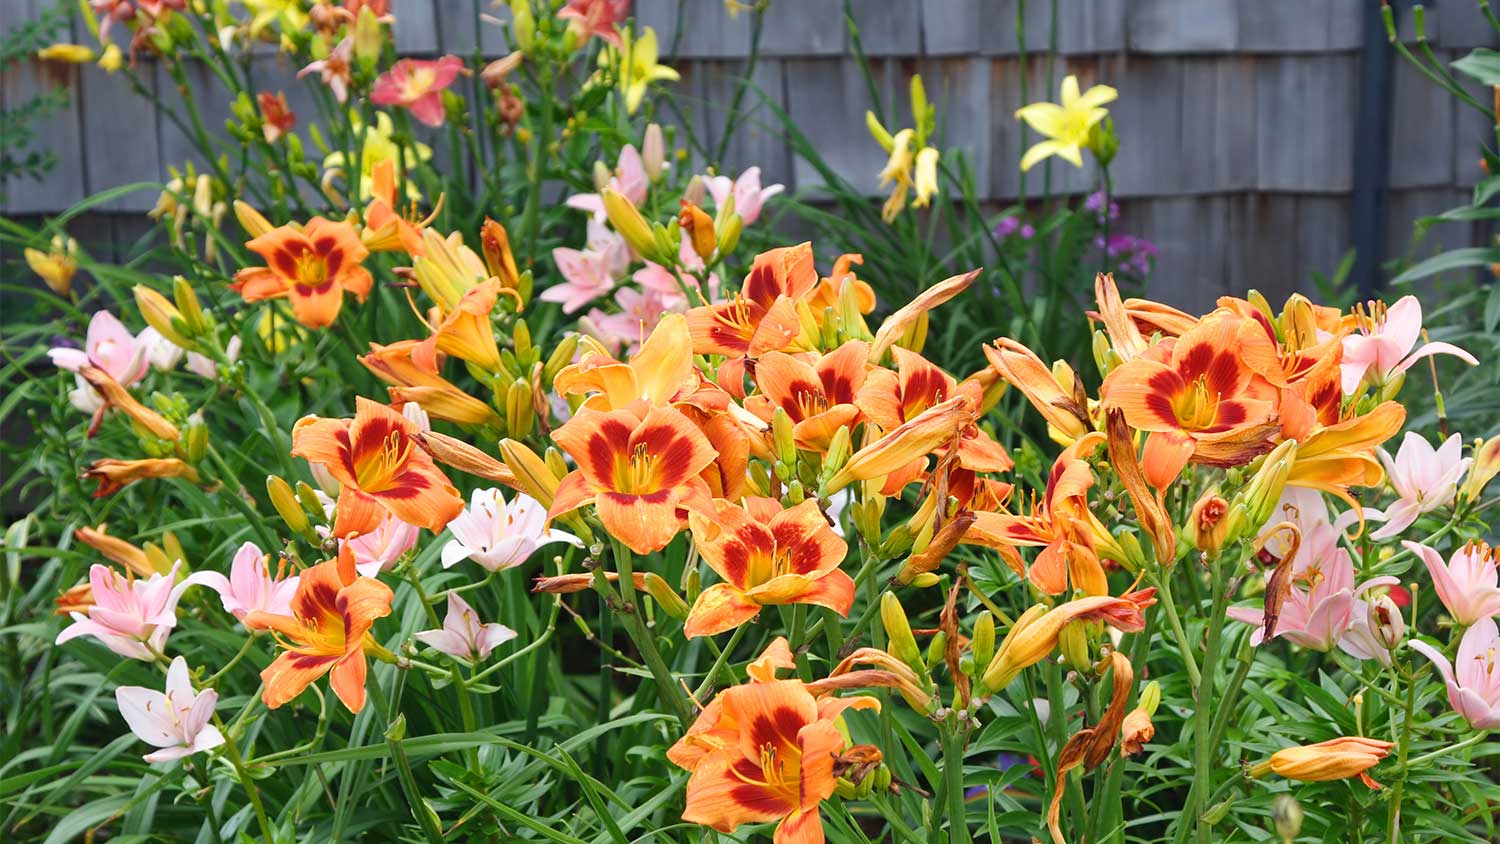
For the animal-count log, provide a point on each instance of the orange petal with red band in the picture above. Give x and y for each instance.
(719, 608)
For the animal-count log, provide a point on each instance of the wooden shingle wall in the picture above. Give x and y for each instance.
(1237, 119)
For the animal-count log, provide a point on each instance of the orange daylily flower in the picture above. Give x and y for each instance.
(660, 373)
(764, 751)
(1303, 333)
(766, 556)
(892, 398)
(933, 428)
(830, 287)
(1064, 406)
(818, 397)
(1033, 636)
(115, 475)
(1060, 522)
(312, 266)
(116, 396)
(466, 331)
(327, 633)
(1156, 318)
(386, 230)
(1124, 336)
(902, 319)
(637, 472)
(762, 316)
(376, 459)
(1202, 397)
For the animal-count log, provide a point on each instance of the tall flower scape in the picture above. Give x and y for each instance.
(652, 534)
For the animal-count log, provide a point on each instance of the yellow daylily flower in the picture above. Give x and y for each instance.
(926, 177)
(1065, 125)
(71, 53)
(378, 147)
(111, 58)
(635, 65)
(57, 266)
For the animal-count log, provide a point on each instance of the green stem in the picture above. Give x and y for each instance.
(713, 671)
(1203, 747)
(1164, 584)
(1402, 752)
(244, 649)
(954, 741)
(671, 695)
(232, 750)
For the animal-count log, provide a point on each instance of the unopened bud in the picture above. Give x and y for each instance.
(286, 504)
(699, 228)
(653, 152)
(729, 233)
(936, 649)
(195, 439)
(783, 439)
(926, 580)
(1208, 523)
(903, 645)
(193, 317)
(1386, 623)
(1073, 642)
(161, 315)
(629, 223)
(667, 597)
(1286, 815)
(1483, 470)
(982, 645)
(533, 475)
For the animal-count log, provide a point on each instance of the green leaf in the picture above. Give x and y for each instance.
(1457, 259)
(1486, 190)
(1482, 65)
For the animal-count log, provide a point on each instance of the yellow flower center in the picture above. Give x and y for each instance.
(312, 270)
(1195, 407)
(638, 473)
(419, 82)
(376, 472)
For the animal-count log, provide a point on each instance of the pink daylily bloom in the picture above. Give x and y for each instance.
(640, 311)
(162, 354)
(175, 721)
(463, 635)
(629, 179)
(596, 18)
(1323, 604)
(748, 195)
(380, 549)
(250, 586)
(1424, 478)
(586, 277)
(417, 85)
(1468, 584)
(498, 534)
(336, 70)
(1382, 348)
(131, 616)
(1474, 682)
(110, 346)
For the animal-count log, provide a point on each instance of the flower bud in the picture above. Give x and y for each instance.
(111, 59)
(561, 356)
(695, 190)
(1386, 623)
(839, 449)
(495, 72)
(1484, 468)
(982, 644)
(498, 259)
(1286, 816)
(195, 439)
(1208, 523)
(55, 267)
(1259, 497)
(252, 221)
(308, 498)
(161, 315)
(1103, 142)
(926, 580)
(629, 223)
(699, 228)
(520, 415)
(783, 439)
(667, 597)
(653, 152)
(533, 475)
(1340, 758)
(193, 318)
(729, 233)
(936, 649)
(903, 645)
(69, 53)
(287, 506)
(1073, 642)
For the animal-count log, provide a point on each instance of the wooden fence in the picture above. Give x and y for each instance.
(1237, 118)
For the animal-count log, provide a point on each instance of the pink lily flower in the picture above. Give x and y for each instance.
(500, 535)
(177, 721)
(130, 616)
(591, 18)
(162, 354)
(629, 178)
(1323, 604)
(416, 85)
(250, 586)
(110, 346)
(203, 366)
(640, 311)
(748, 195)
(1468, 584)
(463, 635)
(586, 277)
(1474, 683)
(1425, 480)
(380, 549)
(1382, 349)
(336, 70)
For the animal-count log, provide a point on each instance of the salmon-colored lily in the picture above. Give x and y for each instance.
(386, 229)
(466, 332)
(766, 556)
(934, 428)
(377, 461)
(312, 266)
(818, 397)
(637, 472)
(890, 399)
(764, 751)
(1202, 397)
(115, 475)
(1062, 405)
(328, 632)
(1059, 523)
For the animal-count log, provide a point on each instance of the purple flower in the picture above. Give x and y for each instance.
(1095, 203)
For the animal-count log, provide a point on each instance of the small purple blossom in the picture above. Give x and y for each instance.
(1095, 203)
(1011, 226)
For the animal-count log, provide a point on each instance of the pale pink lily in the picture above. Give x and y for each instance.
(335, 70)
(380, 549)
(110, 346)
(748, 195)
(463, 635)
(131, 616)
(1468, 584)
(1425, 479)
(204, 366)
(1323, 603)
(162, 354)
(250, 586)
(498, 534)
(640, 311)
(629, 179)
(175, 721)
(417, 85)
(660, 280)
(1382, 348)
(1474, 682)
(596, 18)
(586, 277)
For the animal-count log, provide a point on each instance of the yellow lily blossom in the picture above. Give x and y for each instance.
(635, 65)
(1066, 125)
(379, 146)
(912, 162)
(56, 266)
(926, 177)
(111, 59)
